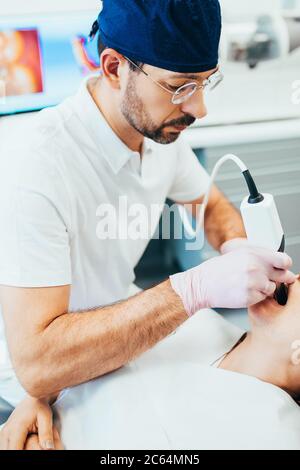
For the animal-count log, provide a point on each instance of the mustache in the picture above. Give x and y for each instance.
(185, 121)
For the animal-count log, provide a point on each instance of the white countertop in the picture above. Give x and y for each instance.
(200, 136)
(214, 136)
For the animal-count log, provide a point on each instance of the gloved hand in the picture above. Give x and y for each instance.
(234, 244)
(238, 279)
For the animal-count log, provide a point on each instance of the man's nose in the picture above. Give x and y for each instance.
(195, 105)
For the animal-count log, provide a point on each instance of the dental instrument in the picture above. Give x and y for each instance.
(260, 216)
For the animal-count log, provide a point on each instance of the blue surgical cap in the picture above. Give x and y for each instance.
(177, 35)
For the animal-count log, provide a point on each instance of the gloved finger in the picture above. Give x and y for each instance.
(278, 260)
(282, 276)
(57, 441)
(45, 428)
(255, 297)
(32, 443)
(261, 283)
(269, 288)
(233, 244)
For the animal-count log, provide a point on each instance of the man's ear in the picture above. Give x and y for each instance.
(111, 65)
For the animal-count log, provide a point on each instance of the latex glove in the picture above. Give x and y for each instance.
(30, 427)
(234, 244)
(237, 279)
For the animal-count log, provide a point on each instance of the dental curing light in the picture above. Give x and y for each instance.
(263, 226)
(260, 217)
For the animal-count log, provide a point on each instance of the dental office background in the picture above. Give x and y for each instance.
(255, 114)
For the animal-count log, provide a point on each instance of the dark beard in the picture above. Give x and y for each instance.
(135, 114)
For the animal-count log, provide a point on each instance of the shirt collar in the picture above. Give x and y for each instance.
(114, 150)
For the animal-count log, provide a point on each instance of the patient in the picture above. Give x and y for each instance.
(207, 386)
(271, 349)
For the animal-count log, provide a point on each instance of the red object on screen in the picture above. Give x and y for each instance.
(20, 62)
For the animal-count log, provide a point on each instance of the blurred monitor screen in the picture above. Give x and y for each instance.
(44, 58)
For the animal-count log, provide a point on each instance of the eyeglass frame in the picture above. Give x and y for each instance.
(177, 92)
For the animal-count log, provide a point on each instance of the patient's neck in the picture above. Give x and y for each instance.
(253, 357)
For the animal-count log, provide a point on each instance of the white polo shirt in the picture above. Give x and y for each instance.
(55, 172)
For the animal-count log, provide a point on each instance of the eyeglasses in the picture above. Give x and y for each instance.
(185, 92)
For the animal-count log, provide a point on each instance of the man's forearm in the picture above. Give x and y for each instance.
(77, 347)
(223, 222)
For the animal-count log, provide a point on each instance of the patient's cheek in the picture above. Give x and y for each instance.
(294, 294)
(265, 309)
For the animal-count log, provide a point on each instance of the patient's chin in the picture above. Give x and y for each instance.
(264, 311)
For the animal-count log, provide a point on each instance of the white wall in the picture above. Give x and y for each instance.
(13, 7)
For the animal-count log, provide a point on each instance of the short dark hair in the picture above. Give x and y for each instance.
(102, 47)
